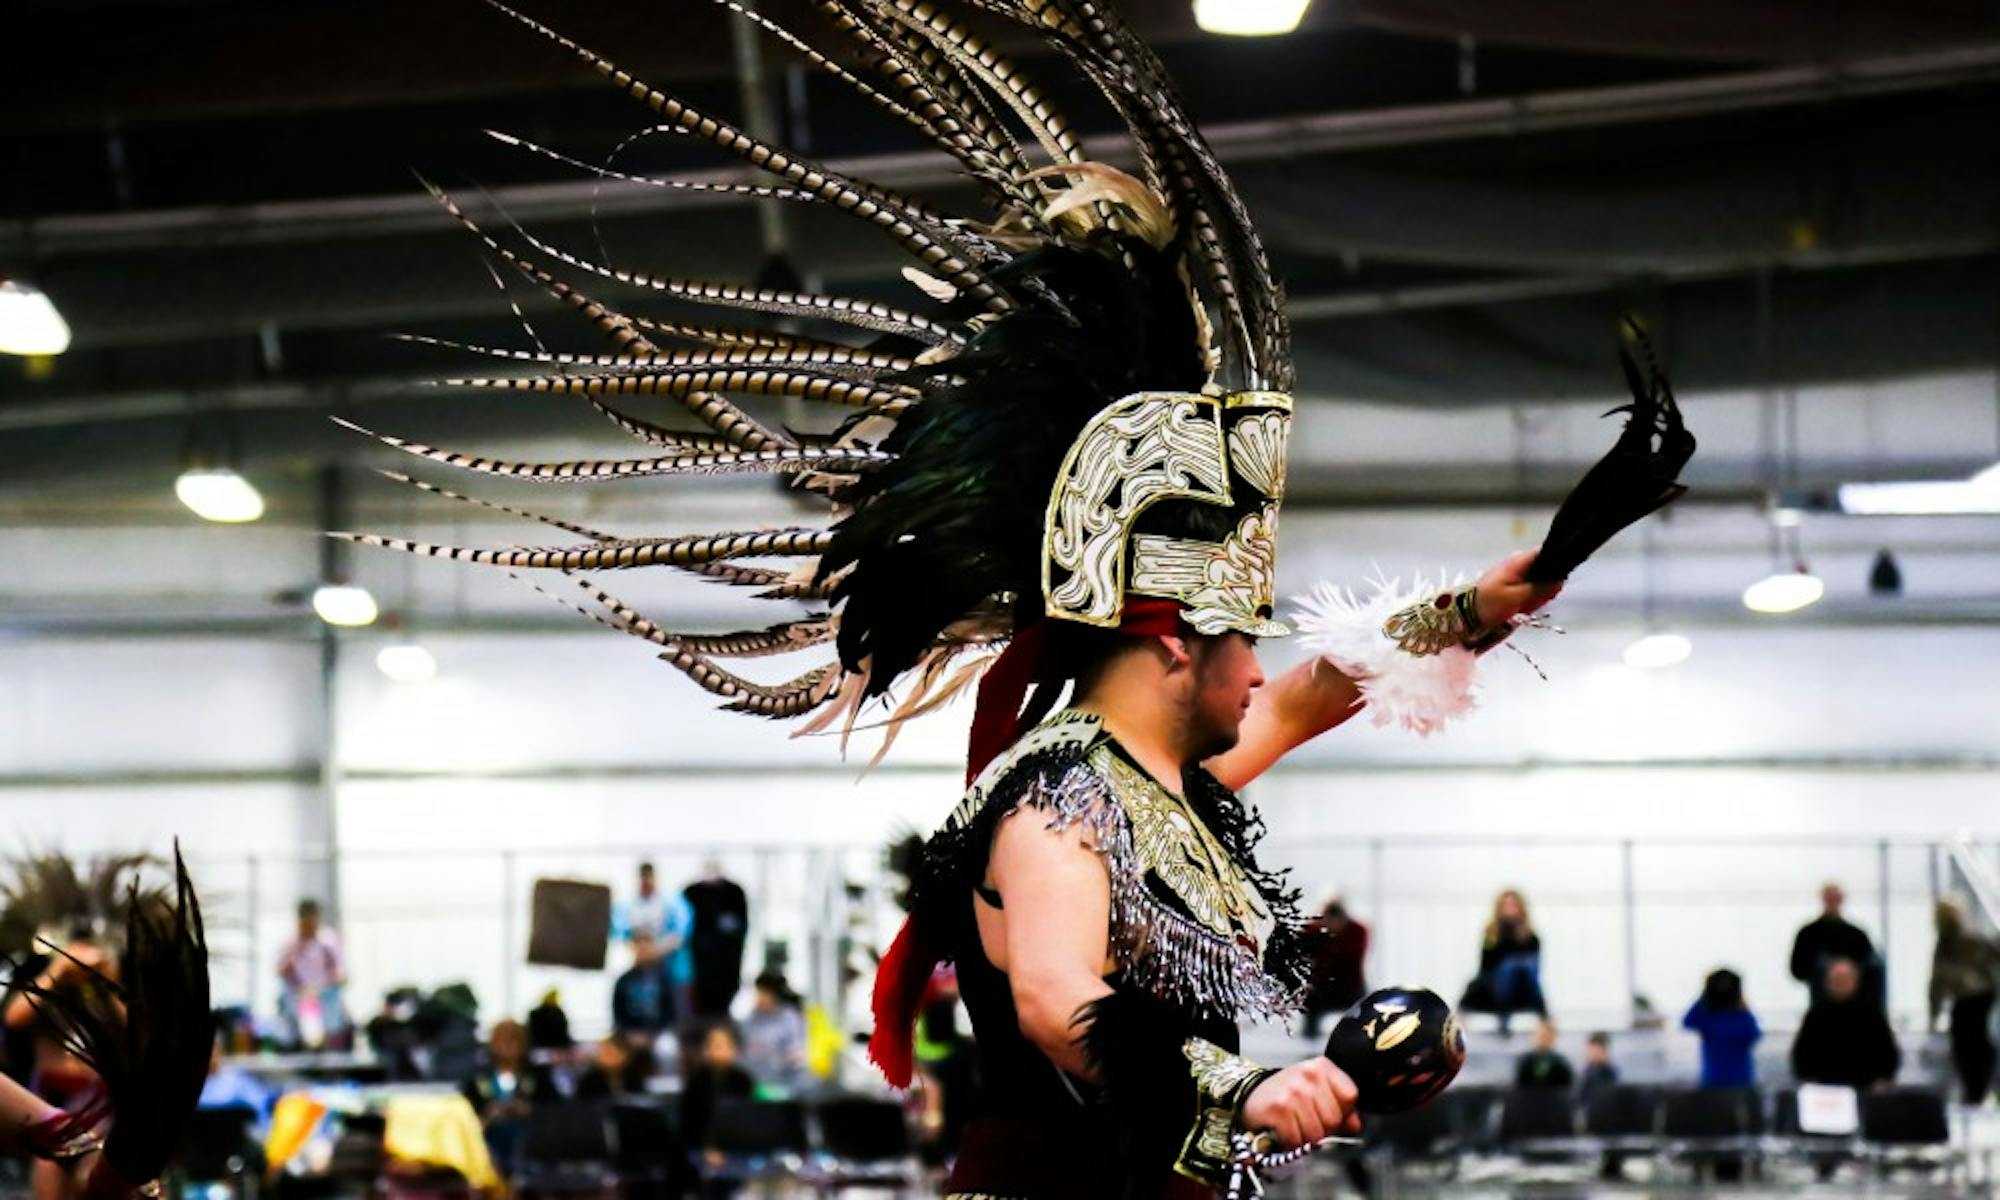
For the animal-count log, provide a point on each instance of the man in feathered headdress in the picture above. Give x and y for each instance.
(1077, 451)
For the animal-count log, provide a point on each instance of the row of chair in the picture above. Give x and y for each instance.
(1896, 1125)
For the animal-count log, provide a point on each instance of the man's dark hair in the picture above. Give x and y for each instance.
(308, 908)
(645, 868)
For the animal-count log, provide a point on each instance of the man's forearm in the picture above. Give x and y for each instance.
(1299, 705)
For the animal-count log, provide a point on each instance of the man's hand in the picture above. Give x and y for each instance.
(1505, 593)
(1304, 1103)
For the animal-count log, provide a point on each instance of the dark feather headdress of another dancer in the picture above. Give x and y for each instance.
(1087, 404)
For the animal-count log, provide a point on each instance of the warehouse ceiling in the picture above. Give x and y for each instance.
(1461, 196)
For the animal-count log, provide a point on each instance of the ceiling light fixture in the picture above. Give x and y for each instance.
(345, 604)
(1784, 591)
(1249, 18)
(29, 322)
(406, 662)
(1656, 650)
(1925, 497)
(219, 494)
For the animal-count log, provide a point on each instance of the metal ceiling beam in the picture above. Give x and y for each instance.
(1281, 138)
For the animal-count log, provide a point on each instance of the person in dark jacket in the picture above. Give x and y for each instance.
(1339, 947)
(1845, 1039)
(1828, 937)
(1510, 964)
(1544, 1066)
(1728, 1031)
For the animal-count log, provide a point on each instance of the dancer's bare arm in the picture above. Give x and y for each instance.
(1313, 697)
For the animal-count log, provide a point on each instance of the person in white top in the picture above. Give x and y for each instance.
(313, 969)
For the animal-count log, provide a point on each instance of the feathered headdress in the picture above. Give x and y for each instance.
(1088, 401)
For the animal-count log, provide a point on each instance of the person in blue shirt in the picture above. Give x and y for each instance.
(1728, 1030)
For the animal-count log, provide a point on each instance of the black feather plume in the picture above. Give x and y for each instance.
(957, 519)
(147, 1035)
(1637, 477)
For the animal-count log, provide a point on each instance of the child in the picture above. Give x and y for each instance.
(1544, 1066)
(1599, 1075)
(1728, 1032)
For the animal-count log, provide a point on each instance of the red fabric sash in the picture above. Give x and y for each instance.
(998, 721)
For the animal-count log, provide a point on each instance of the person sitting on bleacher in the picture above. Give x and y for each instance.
(1544, 1066)
(1845, 1039)
(1728, 1031)
(1510, 964)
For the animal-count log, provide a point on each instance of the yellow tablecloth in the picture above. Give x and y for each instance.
(440, 1129)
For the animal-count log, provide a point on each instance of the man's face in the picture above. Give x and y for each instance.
(1831, 898)
(1842, 981)
(308, 925)
(1223, 673)
(645, 883)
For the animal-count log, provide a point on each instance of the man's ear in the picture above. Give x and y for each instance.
(1178, 654)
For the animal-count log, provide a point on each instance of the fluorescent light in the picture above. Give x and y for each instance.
(1924, 498)
(219, 495)
(406, 662)
(344, 604)
(1783, 592)
(1249, 18)
(1657, 650)
(1788, 518)
(29, 322)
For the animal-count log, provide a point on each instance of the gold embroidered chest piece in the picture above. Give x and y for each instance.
(1179, 852)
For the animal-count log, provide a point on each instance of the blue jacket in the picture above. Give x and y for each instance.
(1726, 1040)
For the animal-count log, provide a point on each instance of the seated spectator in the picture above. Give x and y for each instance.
(617, 1070)
(313, 968)
(1600, 1075)
(505, 1087)
(642, 999)
(715, 1076)
(1728, 1032)
(233, 1087)
(1339, 947)
(1845, 1039)
(1544, 1066)
(774, 1034)
(1510, 964)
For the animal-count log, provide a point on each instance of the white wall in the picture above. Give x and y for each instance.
(151, 684)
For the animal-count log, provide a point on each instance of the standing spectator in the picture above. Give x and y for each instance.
(642, 999)
(1845, 1039)
(774, 1034)
(1510, 964)
(1339, 947)
(1962, 975)
(721, 923)
(1828, 937)
(665, 920)
(1728, 1031)
(1600, 1075)
(1544, 1066)
(313, 970)
(505, 1088)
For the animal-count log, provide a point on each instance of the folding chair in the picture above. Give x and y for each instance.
(567, 1150)
(863, 1142)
